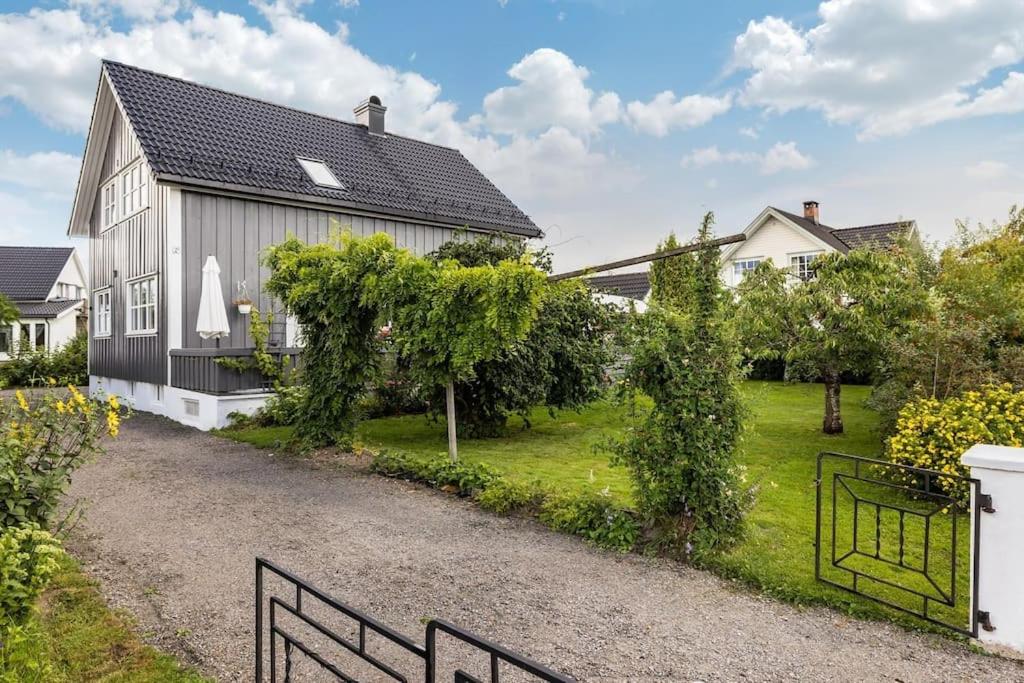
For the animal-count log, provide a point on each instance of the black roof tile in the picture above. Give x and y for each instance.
(629, 285)
(28, 273)
(204, 134)
(45, 309)
(880, 235)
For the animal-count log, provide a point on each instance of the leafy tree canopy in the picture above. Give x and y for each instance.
(560, 363)
(838, 321)
(8, 311)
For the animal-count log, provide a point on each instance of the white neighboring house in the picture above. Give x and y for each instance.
(784, 238)
(793, 241)
(48, 287)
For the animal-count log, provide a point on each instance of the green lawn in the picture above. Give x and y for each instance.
(779, 449)
(79, 638)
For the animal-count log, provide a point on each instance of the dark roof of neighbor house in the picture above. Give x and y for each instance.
(28, 273)
(198, 133)
(879, 235)
(629, 285)
(45, 309)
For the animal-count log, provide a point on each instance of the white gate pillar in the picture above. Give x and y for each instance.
(1000, 469)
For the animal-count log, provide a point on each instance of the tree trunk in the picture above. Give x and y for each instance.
(833, 418)
(453, 447)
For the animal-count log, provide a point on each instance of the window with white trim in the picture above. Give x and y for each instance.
(141, 309)
(108, 204)
(133, 190)
(319, 172)
(800, 265)
(741, 268)
(101, 314)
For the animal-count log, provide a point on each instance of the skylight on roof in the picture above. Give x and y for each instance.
(319, 173)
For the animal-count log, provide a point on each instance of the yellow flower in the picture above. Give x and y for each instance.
(21, 400)
(61, 408)
(113, 402)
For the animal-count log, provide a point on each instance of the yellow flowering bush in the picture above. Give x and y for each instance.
(45, 436)
(933, 434)
(29, 556)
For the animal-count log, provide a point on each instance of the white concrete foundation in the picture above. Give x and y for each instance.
(1000, 469)
(202, 411)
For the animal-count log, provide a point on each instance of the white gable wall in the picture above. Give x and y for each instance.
(71, 275)
(774, 240)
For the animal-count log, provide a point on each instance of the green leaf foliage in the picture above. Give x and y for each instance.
(970, 332)
(8, 311)
(839, 321)
(560, 363)
(673, 279)
(682, 455)
(331, 289)
(68, 364)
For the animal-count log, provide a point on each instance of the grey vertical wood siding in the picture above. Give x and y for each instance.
(238, 231)
(132, 248)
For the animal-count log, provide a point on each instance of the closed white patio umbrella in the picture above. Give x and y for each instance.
(213, 316)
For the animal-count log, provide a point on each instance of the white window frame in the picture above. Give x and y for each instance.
(102, 314)
(133, 190)
(313, 167)
(739, 272)
(108, 204)
(795, 263)
(130, 308)
(293, 337)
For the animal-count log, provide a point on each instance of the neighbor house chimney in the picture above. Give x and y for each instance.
(370, 113)
(811, 211)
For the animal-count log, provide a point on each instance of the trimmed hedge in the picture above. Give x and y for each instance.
(590, 514)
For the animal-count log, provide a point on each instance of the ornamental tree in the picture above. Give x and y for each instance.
(840, 320)
(559, 364)
(448, 317)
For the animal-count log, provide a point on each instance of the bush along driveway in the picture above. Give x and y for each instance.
(176, 516)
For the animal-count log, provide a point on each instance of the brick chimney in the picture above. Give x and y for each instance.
(370, 113)
(811, 211)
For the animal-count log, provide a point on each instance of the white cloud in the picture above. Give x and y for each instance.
(782, 156)
(133, 9)
(49, 62)
(666, 112)
(750, 132)
(888, 66)
(988, 170)
(348, 4)
(551, 92)
(52, 172)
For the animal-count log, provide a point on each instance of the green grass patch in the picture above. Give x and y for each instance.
(779, 450)
(76, 637)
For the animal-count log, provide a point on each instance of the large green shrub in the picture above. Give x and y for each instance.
(28, 559)
(44, 438)
(329, 288)
(933, 434)
(561, 363)
(971, 331)
(681, 456)
(68, 365)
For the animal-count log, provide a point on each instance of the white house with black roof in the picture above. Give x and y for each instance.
(786, 239)
(793, 241)
(48, 286)
(174, 172)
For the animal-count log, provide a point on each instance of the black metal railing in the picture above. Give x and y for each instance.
(418, 661)
(198, 369)
(901, 536)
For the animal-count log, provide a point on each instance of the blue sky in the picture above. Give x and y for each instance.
(610, 122)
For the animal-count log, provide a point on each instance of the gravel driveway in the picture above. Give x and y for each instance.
(175, 517)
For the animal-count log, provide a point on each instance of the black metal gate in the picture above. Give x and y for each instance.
(903, 536)
(312, 636)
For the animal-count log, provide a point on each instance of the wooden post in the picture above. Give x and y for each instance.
(453, 446)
